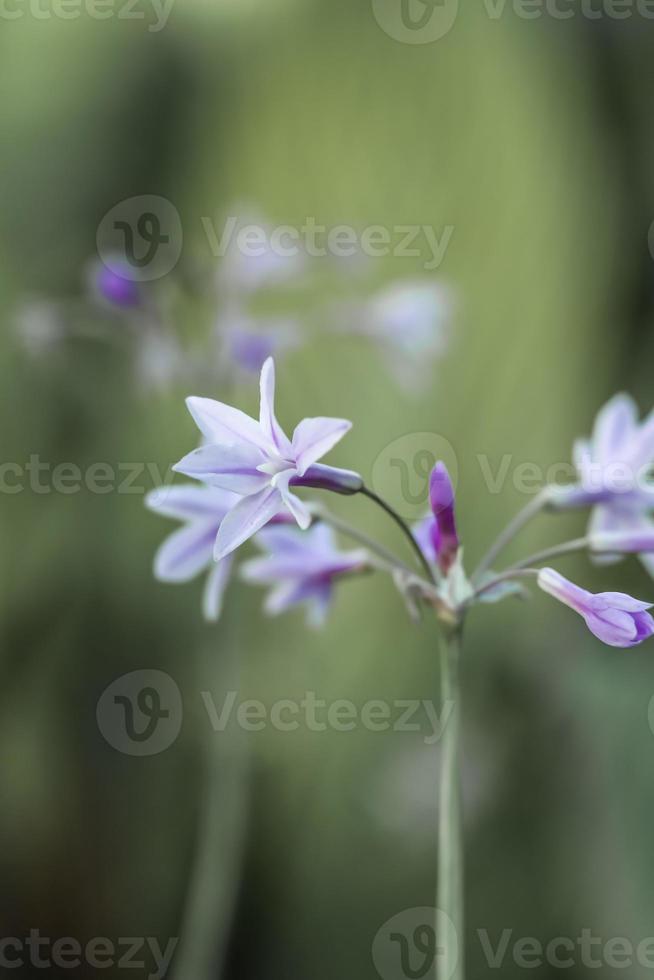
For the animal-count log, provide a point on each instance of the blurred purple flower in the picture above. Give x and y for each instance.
(114, 282)
(246, 343)
(257, 461)
(189, 551)
(302, 568)
(614, 475)
(409, 320)
(256, 259)
(437, 534)
(612, 617)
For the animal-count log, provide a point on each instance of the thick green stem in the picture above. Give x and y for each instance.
(450, 941)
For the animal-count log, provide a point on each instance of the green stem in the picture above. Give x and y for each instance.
(521, 519)
(404, 527)
(526, 566)
(579, 544)
(507, 576)
(450, 943)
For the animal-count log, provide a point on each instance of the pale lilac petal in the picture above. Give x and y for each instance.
(185, 553)
(315, 437)
(620, 601)
(221, 423)
(605, 520)
(285, 596)
(319, 606)
(582, 457)
(267, 420)
(426, 534)
(287, 539)
(229, 467)
(217, 580)
(642, 444)
(614, 427)
(620, 633)
(297, 507)
(190, 502)
(633, 540)
(248, 517)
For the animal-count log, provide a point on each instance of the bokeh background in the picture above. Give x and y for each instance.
(281, 854)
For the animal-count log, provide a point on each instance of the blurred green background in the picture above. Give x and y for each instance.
(281, 854)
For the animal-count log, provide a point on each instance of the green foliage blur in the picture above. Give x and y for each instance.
(281, 854)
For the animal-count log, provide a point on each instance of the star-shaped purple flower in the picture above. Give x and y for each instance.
(259, 463)
(612, 617)
(614, 475)
(301, 567)
(189, 550)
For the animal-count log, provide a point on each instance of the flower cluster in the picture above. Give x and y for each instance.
(406, 321)
(249, 471)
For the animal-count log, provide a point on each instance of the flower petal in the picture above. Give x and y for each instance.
(229, 467)
(222, 424)
(620, 601)
(315, 437)
(214, 590)
(185, 553)
(297, 507)
(641, 449)
(190, 502)
(319, 606)
(614, 427)
(244, 520)
(267, 420)
(620, 633)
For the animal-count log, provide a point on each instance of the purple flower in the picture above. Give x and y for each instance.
(613, 468)
(437, 535)
(614, 618)
(408, 320)
(115, 283)
(247, 343)
(302, 567)
(259, 463)
(633, 542)
(189, 551)
(256, 257)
